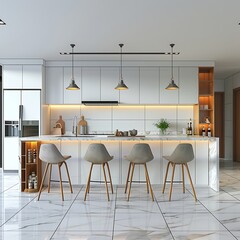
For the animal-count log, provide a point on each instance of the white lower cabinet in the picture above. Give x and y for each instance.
(10, 156)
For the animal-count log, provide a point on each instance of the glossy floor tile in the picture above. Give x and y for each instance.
(215, 216)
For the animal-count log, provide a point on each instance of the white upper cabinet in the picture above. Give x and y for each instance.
(12, 77)
(188, 85)
(149, 85)
(109, 80)
(131, 79)
(54, 85)
(31, 101)
(12, 100)
(90, 83)
(32, 77)
(72, 96)
(22, 77)
(168, 96)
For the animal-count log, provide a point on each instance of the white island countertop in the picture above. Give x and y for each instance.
(112, 137)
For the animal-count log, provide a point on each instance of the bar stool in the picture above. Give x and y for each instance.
(51, 155)
(140, 154)
(98, 154)
(182, 154)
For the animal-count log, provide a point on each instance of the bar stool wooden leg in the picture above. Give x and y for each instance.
(60, 177)
(110, 178)
(88, 182)
(129, 169)
(130, 183)
(69, 180)
(49, 178)
(148, 180)
(105, 179)
(190, 179)
(90, 178)
(173, 170)
(41, 186)
(165, 179)
(183, 180)
(146, 175)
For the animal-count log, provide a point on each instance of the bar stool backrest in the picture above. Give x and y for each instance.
(183, 153)
(140, 153)
(50, 154)
(97, 154)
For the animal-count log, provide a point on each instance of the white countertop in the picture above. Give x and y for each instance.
(107, 137)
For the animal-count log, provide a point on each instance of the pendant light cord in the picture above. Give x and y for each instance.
(172, 45)
(72, 45)
(121, 77)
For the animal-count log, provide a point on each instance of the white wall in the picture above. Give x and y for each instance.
(106, 119)
(230, 83)
(218, 85)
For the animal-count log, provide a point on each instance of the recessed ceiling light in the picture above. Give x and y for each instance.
(2, 22)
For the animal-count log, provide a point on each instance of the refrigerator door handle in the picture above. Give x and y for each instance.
(20, 119)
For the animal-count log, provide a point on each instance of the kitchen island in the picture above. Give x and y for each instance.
(204, 168)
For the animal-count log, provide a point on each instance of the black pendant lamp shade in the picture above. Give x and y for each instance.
(72, 85)
(2, 22)
(121, 85)
(172, 85)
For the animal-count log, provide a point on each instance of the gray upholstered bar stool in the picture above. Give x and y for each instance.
(98, 154)
(140, 154)
(182, 154)
(50, 154)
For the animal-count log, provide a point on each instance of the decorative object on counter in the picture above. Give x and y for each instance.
(51, 155)
(121, 85)
(60, 120)
(207, 120)
(82, 126)
(125, 133)
(72, 85)
(57, 129)
(163, 125)
(133, 132)
(172, 85)
(182, 154)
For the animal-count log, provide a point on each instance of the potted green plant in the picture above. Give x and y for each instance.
(163, 125)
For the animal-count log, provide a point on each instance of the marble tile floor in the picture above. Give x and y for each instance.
(215, 216)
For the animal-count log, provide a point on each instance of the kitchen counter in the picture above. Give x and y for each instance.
(204, 168)
(117, 138)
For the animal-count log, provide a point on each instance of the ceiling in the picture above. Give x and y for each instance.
(201, 30)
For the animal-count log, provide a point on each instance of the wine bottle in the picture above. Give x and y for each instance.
(190, 128)
(203, 132)
(209, 131)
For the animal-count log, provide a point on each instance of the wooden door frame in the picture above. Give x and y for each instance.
(234, 122)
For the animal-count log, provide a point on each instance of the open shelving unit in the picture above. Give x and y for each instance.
(205, 106)
(28, 167)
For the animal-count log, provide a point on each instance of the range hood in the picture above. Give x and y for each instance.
(100, 103)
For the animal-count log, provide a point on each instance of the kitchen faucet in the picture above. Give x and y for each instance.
(74, 128)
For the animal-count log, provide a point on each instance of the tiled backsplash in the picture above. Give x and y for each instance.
(106, 119)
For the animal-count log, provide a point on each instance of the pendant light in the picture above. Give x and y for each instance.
(72, 85)
(121, 85)
(2, 22)
(172, 85)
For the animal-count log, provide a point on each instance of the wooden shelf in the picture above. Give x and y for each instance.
(27, 168)
(205, 97)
